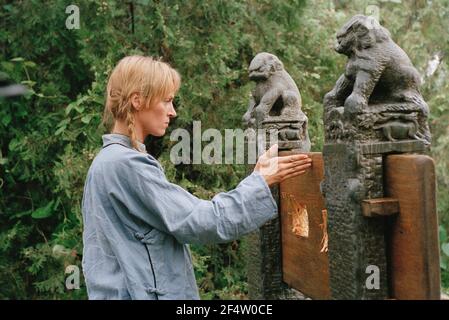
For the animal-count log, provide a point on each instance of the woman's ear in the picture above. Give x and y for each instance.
(135, 101)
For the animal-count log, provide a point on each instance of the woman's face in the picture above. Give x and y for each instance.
(155, 119)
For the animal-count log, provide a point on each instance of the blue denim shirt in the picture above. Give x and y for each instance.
(137, 224)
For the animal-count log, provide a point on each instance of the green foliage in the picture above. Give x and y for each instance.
(50, 136)
(444, 240)
(220, 271)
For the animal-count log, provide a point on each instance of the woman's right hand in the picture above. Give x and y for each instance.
(275, 169)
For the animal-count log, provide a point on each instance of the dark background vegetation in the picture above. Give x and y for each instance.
(49, 137)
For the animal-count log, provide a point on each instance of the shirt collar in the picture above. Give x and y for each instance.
(122, 139)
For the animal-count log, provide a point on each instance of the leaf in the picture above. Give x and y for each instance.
(20, 214)
(98, 100)
(64, 122)
(86, 119)
(18, 59)
(28, 83)
(70, 107)
(62, 126)
(43, 212)
(8, 7)
(30, 64)
(7, 66)
(443, 264)
(14, 144)
(60, 130)
(6, 119)
(79, 108)
(445, 248)
(443, 234)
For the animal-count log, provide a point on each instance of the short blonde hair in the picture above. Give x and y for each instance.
(152, 78)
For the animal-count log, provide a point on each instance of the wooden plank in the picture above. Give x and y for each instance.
(380, 207)
(413, 234)
(304, 262)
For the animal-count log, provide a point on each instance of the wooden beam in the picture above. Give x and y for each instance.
(305, 261)
(413, 234)
(380, 207)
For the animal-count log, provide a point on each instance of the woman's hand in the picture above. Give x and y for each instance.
(275, 169)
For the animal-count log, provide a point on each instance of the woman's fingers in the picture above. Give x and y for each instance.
(295, 163)
(296, 169)
(272, 152)
(292, 158)
(275, 169)
(297, 172)
(272, 167)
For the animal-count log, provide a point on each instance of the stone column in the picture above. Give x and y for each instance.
(275, 107)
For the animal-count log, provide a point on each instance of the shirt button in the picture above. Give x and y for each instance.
(138, 236)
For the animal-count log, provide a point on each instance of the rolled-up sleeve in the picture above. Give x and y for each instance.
(148, 195)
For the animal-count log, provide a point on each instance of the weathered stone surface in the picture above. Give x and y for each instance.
(264, 260)
(354, 241)
(374, 109)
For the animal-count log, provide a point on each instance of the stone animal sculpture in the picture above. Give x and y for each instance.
(276, 102)
(378, 72)
(394, 130)
(272, 83)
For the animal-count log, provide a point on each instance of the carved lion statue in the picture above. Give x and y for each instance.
(378, 71)
(272, 83)
(275, 103)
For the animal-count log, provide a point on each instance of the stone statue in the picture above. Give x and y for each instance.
(276, 103)
(379, 89)
(374, 109)
(274, 107)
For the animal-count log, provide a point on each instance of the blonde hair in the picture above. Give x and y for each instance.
(152, 78)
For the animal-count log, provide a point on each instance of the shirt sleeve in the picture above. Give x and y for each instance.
(168, 207)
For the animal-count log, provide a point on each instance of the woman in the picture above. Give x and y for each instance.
(136, 223)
